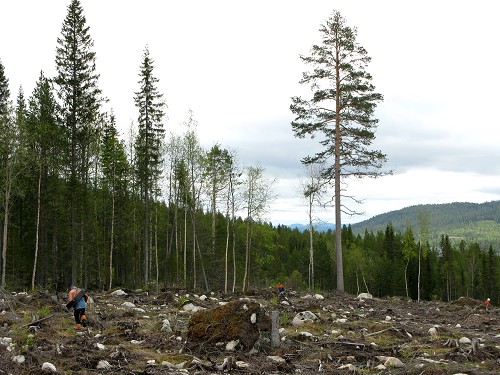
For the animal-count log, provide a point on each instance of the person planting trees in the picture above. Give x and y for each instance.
(77, 299)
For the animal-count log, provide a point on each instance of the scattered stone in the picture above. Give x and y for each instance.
(128, 304)
(465, 340)
(103, 365)
(381, 367)
(253, 318)
(390, 361)
(100, 346)
(119, 293)
(306, 334)
(433, 331)
(231, 345)
(304, 317)
(5, 341)
(19, 359)
(137, 342)
(48, 367)
(319, 297)
(276, 358)
(166, 326)
(387, 318)
(364, 296)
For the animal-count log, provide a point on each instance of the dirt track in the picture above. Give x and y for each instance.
(348, 335)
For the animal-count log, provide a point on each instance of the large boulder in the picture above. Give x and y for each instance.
(237, 321)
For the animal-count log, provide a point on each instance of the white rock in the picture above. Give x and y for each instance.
(151, 362)
(253, 318)
(100, 346)
(191, 307)
(19, 359)
(391, 361)
(242, 364)
(48, 367)
(119, 293)
(341, 320)
(364, 296)
(5, 341)
(306, 334)
(231, 345)
(285, 303)
(136, 342)
(166, 326)
(458, 325)
(380, 367)
(203, 297)
(433, 331)
(128, 304)
(103, 365)
(139, 309)
(303, 317)
(335, 332)
(245, 307)
(465, 340)
(387, 318)
(276, 358)
(319, 297)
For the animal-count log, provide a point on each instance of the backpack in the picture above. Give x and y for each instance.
(78, 297)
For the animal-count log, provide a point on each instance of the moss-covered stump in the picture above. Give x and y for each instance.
(236, 321)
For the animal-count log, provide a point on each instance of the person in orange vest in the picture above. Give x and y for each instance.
(77, 298)
(281, 289)
(487, 303)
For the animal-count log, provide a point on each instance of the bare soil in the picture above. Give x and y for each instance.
(350, 335)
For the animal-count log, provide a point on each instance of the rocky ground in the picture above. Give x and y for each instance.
(136, 332)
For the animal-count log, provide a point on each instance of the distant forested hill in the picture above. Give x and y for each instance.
(472, 222)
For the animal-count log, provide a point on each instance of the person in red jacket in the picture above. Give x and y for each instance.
(487, 303)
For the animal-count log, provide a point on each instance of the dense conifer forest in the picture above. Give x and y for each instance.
(155, 211)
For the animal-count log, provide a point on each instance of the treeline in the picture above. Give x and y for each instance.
(472, 222)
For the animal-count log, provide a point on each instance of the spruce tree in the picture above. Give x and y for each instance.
(4, 91)
(42, 136)
(114, 170)
(150, 105)
(80, 99)
(341, 108)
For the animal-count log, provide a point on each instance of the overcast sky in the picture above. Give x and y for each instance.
(236, 65)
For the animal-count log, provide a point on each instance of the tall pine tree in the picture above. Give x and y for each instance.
(80, 101)
(150, 105)
(341, 108)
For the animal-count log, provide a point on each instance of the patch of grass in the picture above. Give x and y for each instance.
(44, 311)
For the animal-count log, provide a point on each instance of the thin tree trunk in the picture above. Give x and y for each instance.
(8, 183)
(37, 229)
(185, 244)
(111, 246)
(202, 267)
(156, 249)
(233, 222)
(419, 268)
(406, 277)
(311, 244)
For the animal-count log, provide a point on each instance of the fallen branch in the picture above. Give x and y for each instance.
(38, 321)
(382, 331)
